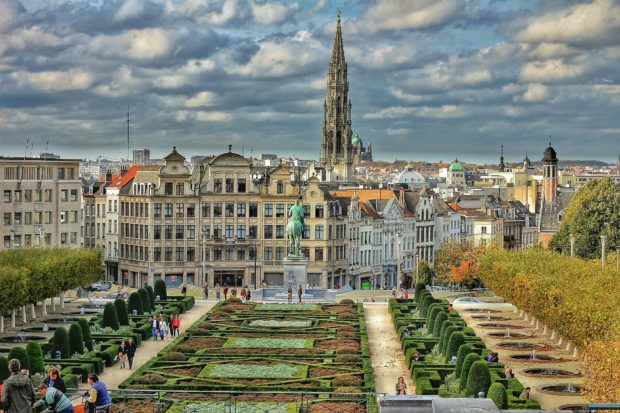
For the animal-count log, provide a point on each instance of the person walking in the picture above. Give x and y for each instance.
(290, 295)
(300, 292)
(154, 327)
(184, 289)
(131, 351)
(205, 289)
(54, 380)
(248, 295)
(163, 328)
(122, 353)
(401, 387)
(98, 398)
(18, 394)
(176, 323)
(243, 295)
(225, 291)
(54, 400)
(217, 291)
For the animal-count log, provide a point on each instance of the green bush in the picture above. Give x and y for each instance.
(470, 359)
(76, 341)
(4, 369)
(445, 336)
(60, 342)
(478, 378)
(161, 290)
(426, 302)
(432, 316)
(20, 354)
(463, 351)
(121, 311)
(144, 299)
(346, 301)
(151, 293)
(85, 327)
(497, 393)
(437, 325)
(110, 317)
(419, 287)
(456, 340)
(135, 303)
(35, 358)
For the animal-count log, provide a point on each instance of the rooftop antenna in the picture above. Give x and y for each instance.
(26, 151)
(128, 120)
(549, 139)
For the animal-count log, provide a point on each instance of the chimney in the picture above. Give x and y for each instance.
(123, 170)
(401, 197)
(108, 176)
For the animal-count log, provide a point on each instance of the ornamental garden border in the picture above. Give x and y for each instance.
(312, 348)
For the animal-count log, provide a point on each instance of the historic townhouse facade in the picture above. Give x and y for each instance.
(41, 202)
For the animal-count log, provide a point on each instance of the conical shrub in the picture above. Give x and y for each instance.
(135, 303)
(497, 393)
(470, 359)
(144, 299)
(76, 341)
(121, 311)
(110, 318)
(85, 327)
(20, 354)
(151, 294)
(478, 379)
(4, 369)
(60, 342)
(35, 358)
(161, 290)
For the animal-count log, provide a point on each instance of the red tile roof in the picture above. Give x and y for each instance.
(364, 194)
(123, 180)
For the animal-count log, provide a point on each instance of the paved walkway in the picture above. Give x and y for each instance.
(113, 376)
(388, 361)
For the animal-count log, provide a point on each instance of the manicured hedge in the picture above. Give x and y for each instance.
(151, 294)
(20, 354)
(497, 393)
(478, 379)
(161, 290)
(35, 358)
(4, 369)
(60, 342)
(463, 351)
(76, 341)
(135, 303)
(144, 300)
(121, 311)
(88, 342)
(110, 317)
(455, 341)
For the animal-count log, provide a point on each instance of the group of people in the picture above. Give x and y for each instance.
(126, 352)
(493, 358)
(19, 396)
(300, 292)
(402, 293)
(160, 327)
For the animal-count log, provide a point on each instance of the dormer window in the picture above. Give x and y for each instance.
(280, 188)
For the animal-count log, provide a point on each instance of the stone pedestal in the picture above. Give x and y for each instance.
(295, 273)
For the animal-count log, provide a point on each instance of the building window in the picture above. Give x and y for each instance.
(230, 210)
(229, 254)
(241, 209)
(64, 197)
(306, 211)
(73, 238)
(217, 185)
(73, 196)
(191, 254)
(179, 234)
(61, 173)
(180, 254)
(279, 253)
(7, 218)
(241, 231)
(280, 188)
(167, 253)
(180, 189)
(168, 187)
(217, 254)
(191, 210)
(168, 233)
(229, 231)
(318, 254)
(252, 232)
(268, 254)
(7, 197)
(306, 234)
(217, 210)
(180, 210)
(157, 231)
(217, 231)
(241, 255)
(268, 210)
(156, 210)
(157, 254)
(268, 232)
(230, 185)
(484, 230)
(279, 231)
(252, 253)
(279, 210)
(319, 211)
(191, 232)
(318, 232)
(253, 210)
(168, 210)
(63, 238)
(206, 209)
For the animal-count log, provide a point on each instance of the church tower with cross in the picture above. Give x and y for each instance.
(336, 145)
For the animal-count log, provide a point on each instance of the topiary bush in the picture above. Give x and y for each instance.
(497, 393)
(151, 293)
(445, 336)
(426, 302)
(121, 311)
(60, 342)
(4, 369)
(35, 358)
(161, 290)
(110, 317)
(144, 299)
(478, 379)
(456, 340)
(20, 354)
(432, 316)
(419, 287)
(346, 301)
(76, 341)
(470, 359)
(135, 303)
(85, 327)
(438, 324)
(463, 351)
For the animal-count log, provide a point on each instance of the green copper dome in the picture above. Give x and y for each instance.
(455, 166)
(356, 141)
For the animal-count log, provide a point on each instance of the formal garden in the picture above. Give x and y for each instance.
(283, 356)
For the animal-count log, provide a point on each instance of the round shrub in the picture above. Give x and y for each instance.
(151, 293)
(76, 341)
(135, 303)
(438, 324)
(144, 299)
(470, 359)
(478, 378)
(497, 393)
(173, 356)
(35, 358)
(110, 318)
(426, 302)
(161, 290)
(445, 336)
(346, 301)
(432, 315)
(20, 354)
(4, 369)
(346, 380)
(60, 342)
(463, 351)
(456, 340)
(121, 311)
(85, 327)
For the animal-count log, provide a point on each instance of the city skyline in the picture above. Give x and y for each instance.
(428, 80)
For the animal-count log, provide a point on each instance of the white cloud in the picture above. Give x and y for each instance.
(129, 9)
(410, 14)
(380, 56)
(270, 13)
(404, 96)
(31, 38)
(56, 81)
(397, 131)
(123, 83)
(535, 92)
(203, 98)
(545, 51)
(475, 77)
(550, 70)
(204, 116)
(441, 112)
(142, 44)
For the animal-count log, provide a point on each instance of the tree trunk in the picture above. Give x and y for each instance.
(34, 314)
(24, 319)
(1, 324)
(13, 319)
(53, 299)
(44, 309)
(62, 299)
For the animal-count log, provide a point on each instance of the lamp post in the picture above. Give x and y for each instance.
(417, 269)
(603, 242)
(255, 254)
(572, 245)
(399, 281)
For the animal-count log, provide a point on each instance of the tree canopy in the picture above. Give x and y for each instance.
(458, 263)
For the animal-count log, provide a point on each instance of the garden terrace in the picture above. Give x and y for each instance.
(265, 348)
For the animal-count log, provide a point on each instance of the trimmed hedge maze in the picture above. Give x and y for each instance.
(428, 330)
(267, 348)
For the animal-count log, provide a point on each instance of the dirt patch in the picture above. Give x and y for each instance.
(318, 372)
(336, 344)
(188, 372)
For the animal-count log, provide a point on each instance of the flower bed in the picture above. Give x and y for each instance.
(280, 323)
(288, 307)
(242, 371)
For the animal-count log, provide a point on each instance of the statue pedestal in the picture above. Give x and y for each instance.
(295, 273)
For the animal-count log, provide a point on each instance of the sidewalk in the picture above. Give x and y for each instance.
(388, 361)
(113, 376)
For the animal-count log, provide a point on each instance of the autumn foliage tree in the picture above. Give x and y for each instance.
(458, 263)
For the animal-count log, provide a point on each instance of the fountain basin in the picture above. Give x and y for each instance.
(522, 345)
(574, 407)
(81, 312)
(550, 372)
(511, 335)
(4, 350)
(38, 329)
(503, 326)
(480, 310)
(25, 338)
(490, 317)
(561, 389)
(62, 320)
(538, 358)
(98, 305)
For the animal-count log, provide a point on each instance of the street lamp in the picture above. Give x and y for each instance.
(603, 242)
(398, 259)
(255, 254)
(572, 245)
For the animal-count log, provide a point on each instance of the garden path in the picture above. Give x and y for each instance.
(388, 361)
(113, 376)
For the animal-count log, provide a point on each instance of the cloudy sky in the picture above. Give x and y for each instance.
(429, 79)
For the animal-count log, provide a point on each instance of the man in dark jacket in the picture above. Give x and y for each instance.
(131, 351)
(18, 394)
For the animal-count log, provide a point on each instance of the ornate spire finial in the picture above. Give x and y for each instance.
(549, 139)
(339, 14)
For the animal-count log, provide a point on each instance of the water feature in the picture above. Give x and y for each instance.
(576, 408)
(561, 389)
(480, 310)
(21, 338)
(62, 320)
(81, 311)
(44, 328)
(534, 354)
(519, 345)
(550, 372)
(490, 317)
(536, 358)
(500, 326)
(507, 334)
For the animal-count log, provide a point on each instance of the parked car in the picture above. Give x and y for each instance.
(467, 300)
(99, 286)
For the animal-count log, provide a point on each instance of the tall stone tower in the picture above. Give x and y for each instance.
(550, 176)
(336, 147)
